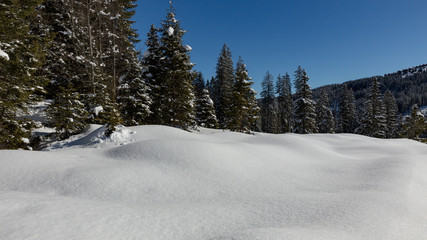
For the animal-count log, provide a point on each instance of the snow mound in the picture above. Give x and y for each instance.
(156, 182)
(94, 137)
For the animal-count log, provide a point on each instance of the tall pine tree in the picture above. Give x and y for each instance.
(268, 114)
(284, 99)
(324, 117)
(176, 74)
(304, 112)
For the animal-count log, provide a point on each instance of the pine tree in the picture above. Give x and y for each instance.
(133, 95)
(177, 75)
(284, 99)
(304, 112)
(67, 113)
(268, 114)
(205, 110)
(347, 111)
(20, 57)
(324, 117)
(243, 110)
(390, 111)
(223, 86)
(373, 122)
(415, 124)
(152, 68)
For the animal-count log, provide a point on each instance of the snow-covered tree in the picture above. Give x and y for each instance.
(324, 117)
(67, 113)
(20, 57)
(176, 74)
(391, 114)
(133, 97)
(223, 86)
(373, 122)
(347, 111)
(415, 124)
(205, 110)
(284, 99)
(244, 112)
(268, 108)
(304, 106)
(152, 68)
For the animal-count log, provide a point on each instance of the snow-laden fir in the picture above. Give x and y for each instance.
(157, 182)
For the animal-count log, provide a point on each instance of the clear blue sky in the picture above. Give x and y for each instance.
(334, 40)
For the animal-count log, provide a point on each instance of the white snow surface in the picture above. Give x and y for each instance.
(188, 47)
(156, 182)
(4, 55)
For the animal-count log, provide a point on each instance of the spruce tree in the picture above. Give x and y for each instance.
(284, 99)
(373, 123)
(205, 110)
(304, 111)
(152, 68)
(133, 95)
(347, 111)
(324, 117)
(67, 113)
(391, 114)
(176, 74)
(268, 114)
(243, 110)
(415, 124)
(20, 57)
(223, 86)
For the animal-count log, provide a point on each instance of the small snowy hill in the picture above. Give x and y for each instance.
(155, 182)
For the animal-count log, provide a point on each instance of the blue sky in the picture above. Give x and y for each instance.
(334, 40)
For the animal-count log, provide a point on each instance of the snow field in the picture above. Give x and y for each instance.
(156, 182)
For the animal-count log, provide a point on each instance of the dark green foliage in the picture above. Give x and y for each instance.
(132, 98)
(67, 113)
(268, 114)
(324, 117)
(284, 100)
(223, 86)
(205, 110)
(244, 109)
(304, 111)
(391, 114)
(415, 124)
(177, 76)
(18, 70)
(373, 122)
(347, 119)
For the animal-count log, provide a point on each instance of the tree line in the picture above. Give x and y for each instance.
(81, 54)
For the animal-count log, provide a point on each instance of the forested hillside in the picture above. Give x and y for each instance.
(409, 86)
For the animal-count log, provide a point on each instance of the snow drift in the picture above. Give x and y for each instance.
(155, 182)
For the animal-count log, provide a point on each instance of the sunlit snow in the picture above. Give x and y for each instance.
(156, 182)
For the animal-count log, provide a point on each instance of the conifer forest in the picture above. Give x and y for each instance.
(80, 56)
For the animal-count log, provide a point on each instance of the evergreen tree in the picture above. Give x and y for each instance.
(243, 109)
(133, 95)
(20, 57)
(304, 112)
(415, 124)
(177, 75)
(324, 117)
(152, 69)
(373, 123)
(284, 99)
(223, 86)
(347, 111)
(205, 110)
(67, 113)
(390, 111)
(268, 114)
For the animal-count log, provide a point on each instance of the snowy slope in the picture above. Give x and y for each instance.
(155, 182)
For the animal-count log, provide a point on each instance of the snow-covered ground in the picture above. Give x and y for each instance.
(155, 182)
